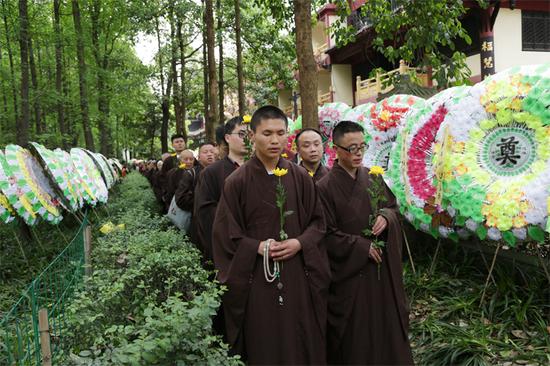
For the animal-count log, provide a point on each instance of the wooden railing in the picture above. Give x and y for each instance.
(370, 88)
(319, 50)
(326, 97)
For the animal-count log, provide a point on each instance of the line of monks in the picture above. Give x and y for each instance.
(336, 299)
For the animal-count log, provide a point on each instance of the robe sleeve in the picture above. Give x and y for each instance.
(207, 196)
(311, 238)
(234, 255)
(233, 251)
(348, 252)
(185, 191)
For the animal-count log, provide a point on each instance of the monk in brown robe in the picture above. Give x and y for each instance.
(211, 180)
(184, 194)
(279, 322)
(168, 163)
(367, 314)
(310, 149)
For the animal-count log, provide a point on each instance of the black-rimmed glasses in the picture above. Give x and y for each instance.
(353, 149)
(242, 134)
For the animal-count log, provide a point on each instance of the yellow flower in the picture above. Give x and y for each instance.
(284, 155)
(385, 115)
(247, 119)
(491, 108)
(491, 220)
(183, 166)
(311, 174)
(280, 172)
(173, 154)
(519, 222)
(107, 228)
(376, 170)
(516, 104)
(461, 169)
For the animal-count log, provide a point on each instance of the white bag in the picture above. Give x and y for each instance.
(180, 218)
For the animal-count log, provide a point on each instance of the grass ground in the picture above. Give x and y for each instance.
(450, 325)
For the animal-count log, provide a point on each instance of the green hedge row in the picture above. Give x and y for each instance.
(149, 301)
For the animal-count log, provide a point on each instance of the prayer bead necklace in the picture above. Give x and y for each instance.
(270, 277)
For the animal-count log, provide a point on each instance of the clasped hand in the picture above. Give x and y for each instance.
(281, 250)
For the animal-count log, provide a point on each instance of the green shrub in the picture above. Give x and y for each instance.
(149, 301)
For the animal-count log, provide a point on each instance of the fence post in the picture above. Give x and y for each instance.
(44, 329)
(87, 250)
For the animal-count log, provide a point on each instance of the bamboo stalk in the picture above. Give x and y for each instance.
(490, 273)
(44, 330)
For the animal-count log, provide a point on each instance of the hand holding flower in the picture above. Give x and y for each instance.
(379, 225)
(285, 249)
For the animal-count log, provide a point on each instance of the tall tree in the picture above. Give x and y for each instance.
(183, 58)
(174, 45)
(23, 123)
(212, 76)
(5, 13)
(307, 67)
(206, 87)
(240, 75)
(83, 87)
(221, 85)
(59, 100)
(36, 90)
(165, 92)
(4, 119)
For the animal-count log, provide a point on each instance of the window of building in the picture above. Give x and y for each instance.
(535, 31)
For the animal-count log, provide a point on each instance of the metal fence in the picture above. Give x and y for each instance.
(20, 331)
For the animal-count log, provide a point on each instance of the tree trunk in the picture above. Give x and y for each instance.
(88, 137)
(36, 91)
(220, 65)
(240, 77)
(10, 58)
(165, 95)
(212, 77)
(306, 63)
(59, 73)
(176, 89)
(4, 119)
(205, 78)
(102, 64)
(22, 136)
(182, 78)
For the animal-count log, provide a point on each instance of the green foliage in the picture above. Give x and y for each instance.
(125, 77)
(24, 254)
(423, 34)
(149, 301)
(450, 326)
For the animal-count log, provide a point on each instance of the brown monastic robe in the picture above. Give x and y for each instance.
(168, 164)
(367, 317)
(258, 327)
(207, 195)
(319, 173)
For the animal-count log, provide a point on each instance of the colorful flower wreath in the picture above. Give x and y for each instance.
(360, 115)
(329, 115)
(33, 188)
(383, 126)
(89, 173)
(102, 167)
(411, 172)
(68, 192)
(83, 187)
(7, 211)
(497, 173)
